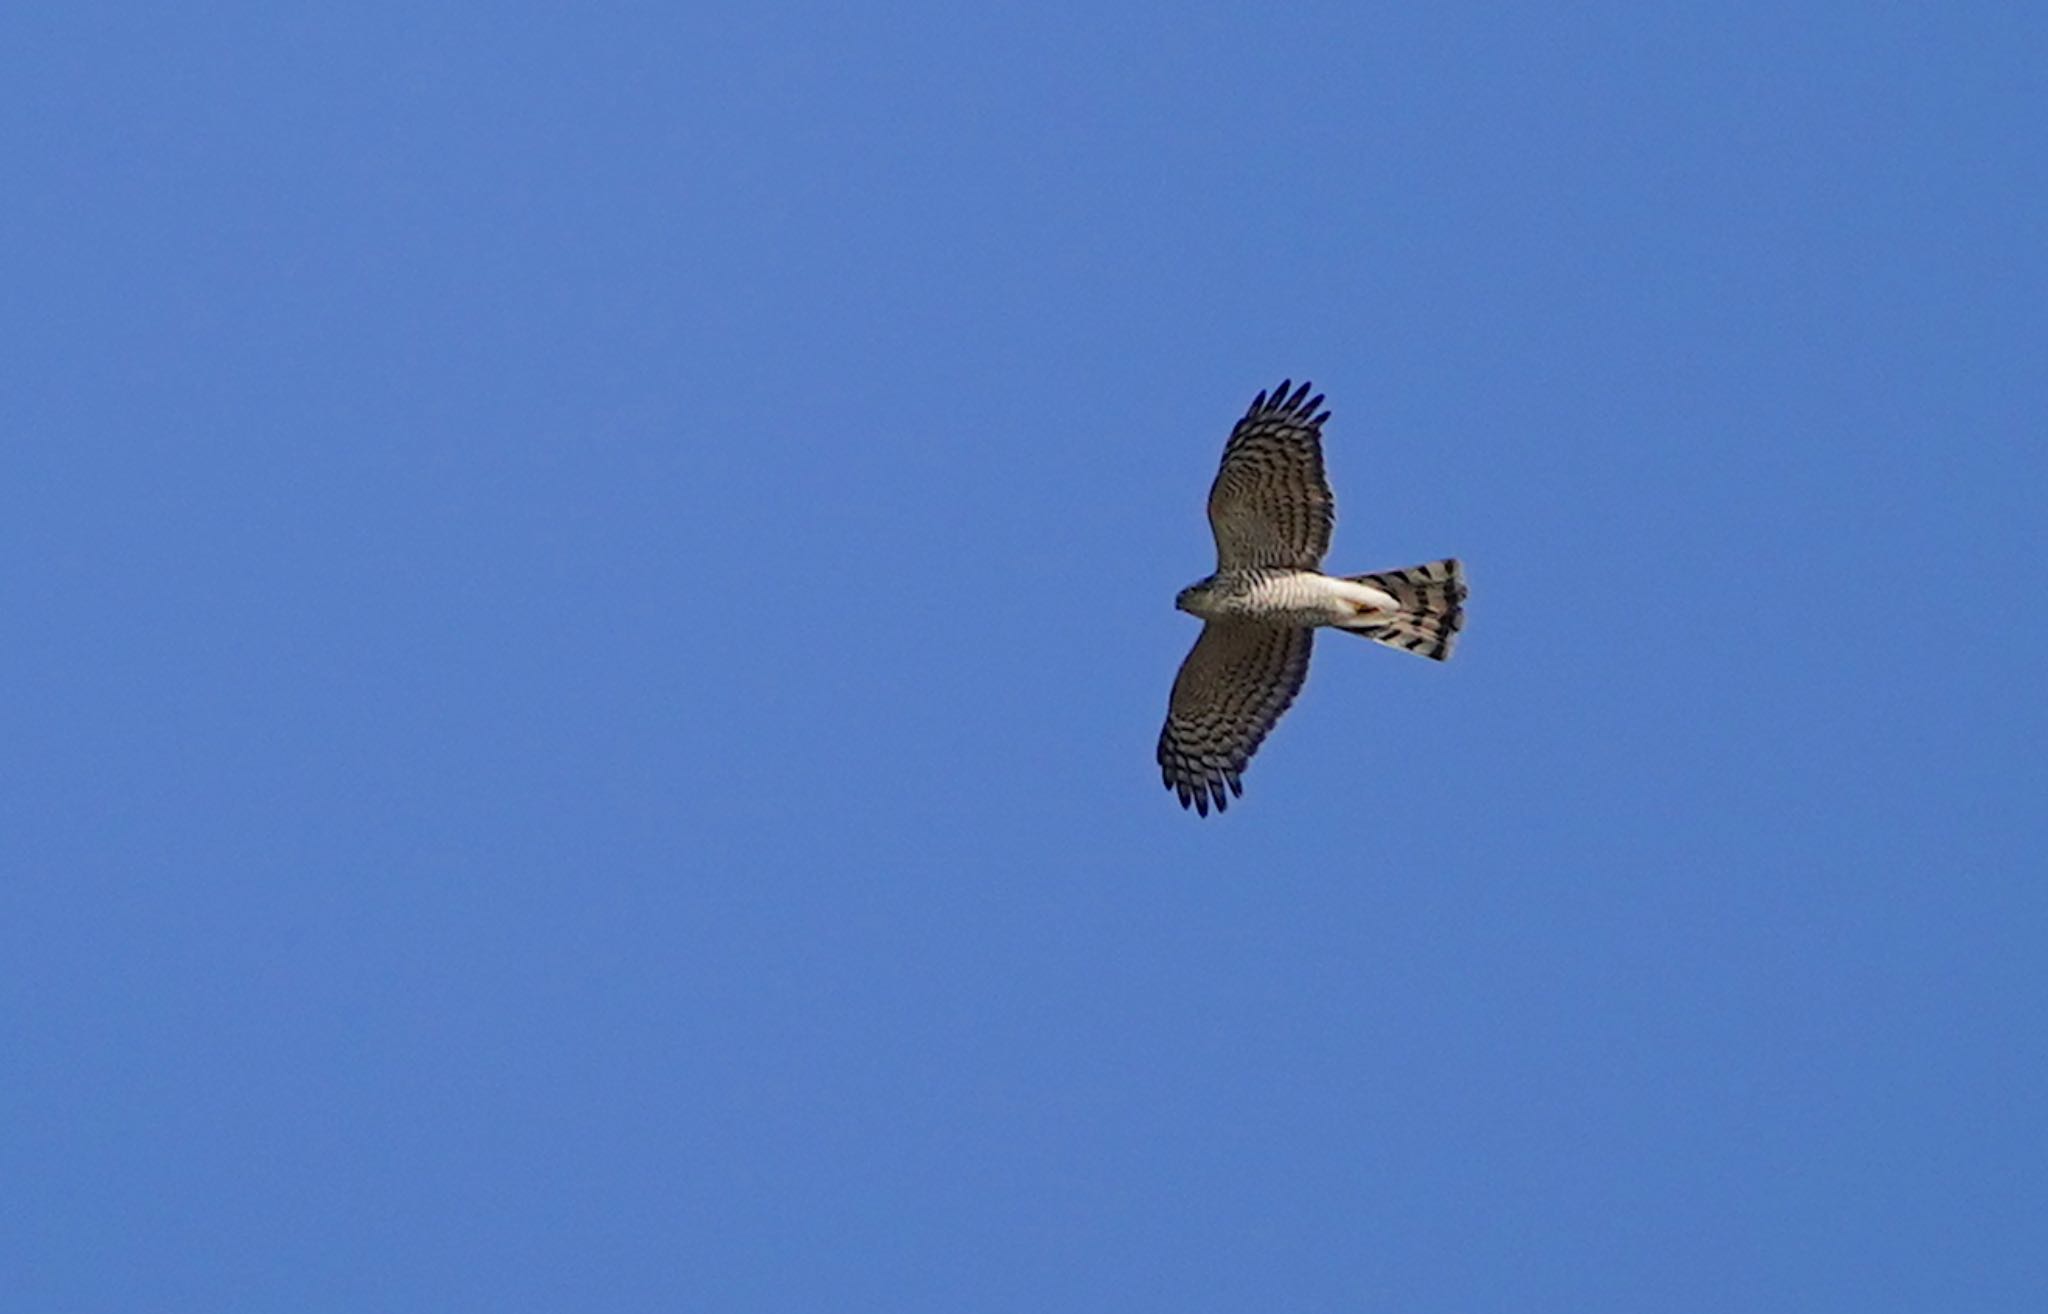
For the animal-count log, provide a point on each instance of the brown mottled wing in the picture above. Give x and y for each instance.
(1234, 685)
(1270, 504)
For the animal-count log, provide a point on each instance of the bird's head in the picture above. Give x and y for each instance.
(1191, 598)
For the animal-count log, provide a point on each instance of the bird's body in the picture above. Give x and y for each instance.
(1285, 597)
(1271, 511)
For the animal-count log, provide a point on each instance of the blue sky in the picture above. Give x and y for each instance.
(590, 595)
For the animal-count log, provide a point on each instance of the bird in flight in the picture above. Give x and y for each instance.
(1271, 511)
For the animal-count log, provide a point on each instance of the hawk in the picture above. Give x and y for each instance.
(1271, 511)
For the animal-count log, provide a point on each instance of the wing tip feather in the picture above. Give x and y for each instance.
(1298, 401)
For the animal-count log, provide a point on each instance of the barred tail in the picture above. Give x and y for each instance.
(1432, 599)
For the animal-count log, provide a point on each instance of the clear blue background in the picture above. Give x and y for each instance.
(587, 600)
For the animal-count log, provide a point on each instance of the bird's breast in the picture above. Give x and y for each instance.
(1279, 597)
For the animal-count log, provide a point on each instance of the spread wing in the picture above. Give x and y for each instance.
(1270, 504)
(1230, 691)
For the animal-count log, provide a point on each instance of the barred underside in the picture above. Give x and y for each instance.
(1432, 599)
(1234, 685)
(1271, 503)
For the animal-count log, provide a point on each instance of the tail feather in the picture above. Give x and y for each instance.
(1432, 599)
